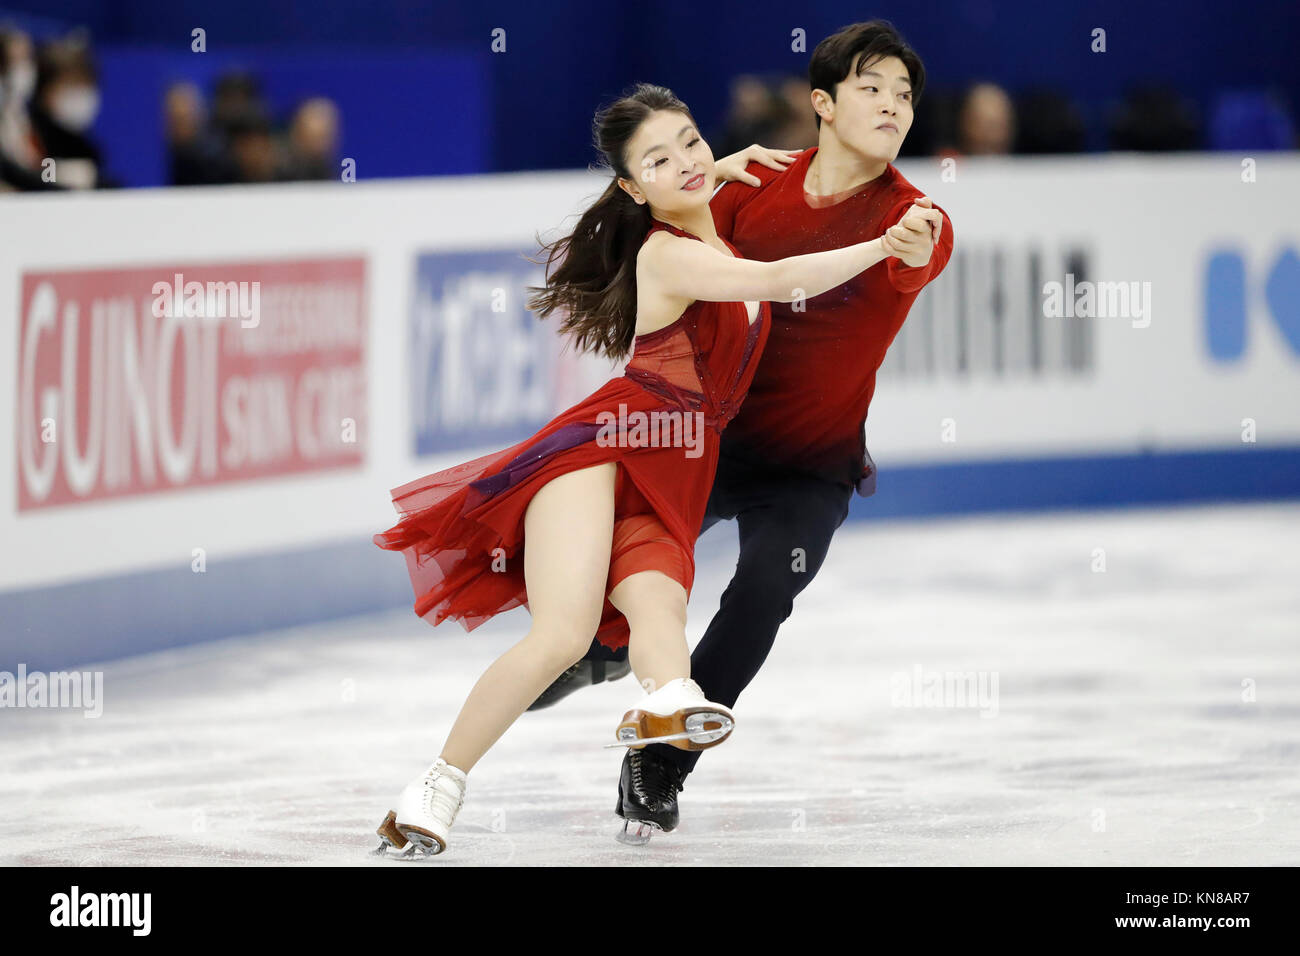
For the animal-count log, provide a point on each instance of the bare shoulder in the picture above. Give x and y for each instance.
(652, 249)
(655, 306)
(662, 254)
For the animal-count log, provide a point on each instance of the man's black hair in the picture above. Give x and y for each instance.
(856, 47)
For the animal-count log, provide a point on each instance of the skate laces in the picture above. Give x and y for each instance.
(437, 798)
(660, 784)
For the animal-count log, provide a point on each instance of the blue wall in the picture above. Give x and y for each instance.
(423, 93)
(391, 125)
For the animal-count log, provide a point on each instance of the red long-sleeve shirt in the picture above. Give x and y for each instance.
(807, 407)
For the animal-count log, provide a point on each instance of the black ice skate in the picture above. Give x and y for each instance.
(580, 675)
(647, 796)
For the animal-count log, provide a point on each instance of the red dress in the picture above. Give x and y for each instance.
(462, 529)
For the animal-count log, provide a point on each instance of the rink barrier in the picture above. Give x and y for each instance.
(105, 618)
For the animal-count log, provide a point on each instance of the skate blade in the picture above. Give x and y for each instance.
(411, 854)
(636, 837)
(422, 841)
(691, 729)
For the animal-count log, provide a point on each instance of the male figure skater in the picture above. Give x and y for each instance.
(794, 454)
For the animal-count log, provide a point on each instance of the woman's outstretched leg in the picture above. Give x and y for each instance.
(567, 532)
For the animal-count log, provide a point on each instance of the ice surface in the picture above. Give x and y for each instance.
(1123, 731)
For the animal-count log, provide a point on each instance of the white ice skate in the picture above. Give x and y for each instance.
(679, 714)
(425, 812)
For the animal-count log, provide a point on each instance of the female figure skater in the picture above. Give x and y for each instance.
(589, 524)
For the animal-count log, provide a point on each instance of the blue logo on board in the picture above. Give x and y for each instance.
(1226, 293)
(481, 363)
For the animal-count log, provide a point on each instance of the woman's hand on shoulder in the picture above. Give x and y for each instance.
(732, 168)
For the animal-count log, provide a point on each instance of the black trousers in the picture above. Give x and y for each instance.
(786, 521)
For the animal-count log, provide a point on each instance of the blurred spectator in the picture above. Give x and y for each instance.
(196, 157)
(798, 128)
(9, 170)
(236, 96)
(238, 142)
(242, 128)
(19, 78)
(753, 115)
(313, 141)
(252, 147)
(49, 101)
(184, 122)
(1250, 119)
(12, 175)
(934, 125)
(1154, 119)
(64, 108)
(1049, 123)
(986, 124)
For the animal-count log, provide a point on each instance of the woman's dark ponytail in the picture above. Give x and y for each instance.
(591, 272)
